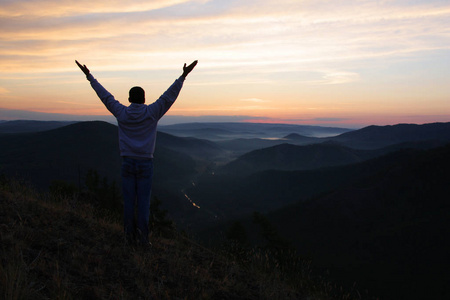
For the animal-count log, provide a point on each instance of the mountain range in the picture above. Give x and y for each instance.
(369, 205)
(232, 130)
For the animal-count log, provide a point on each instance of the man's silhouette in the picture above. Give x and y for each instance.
(137, 136)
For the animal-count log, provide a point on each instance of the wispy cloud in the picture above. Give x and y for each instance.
(277, 33)
(56, 8)
(248, 44)
(336, 77)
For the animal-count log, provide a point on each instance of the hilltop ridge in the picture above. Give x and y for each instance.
(55, 247)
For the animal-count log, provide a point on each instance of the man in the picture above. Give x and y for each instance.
(137, 136)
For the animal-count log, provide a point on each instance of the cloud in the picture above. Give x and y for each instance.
(278, 34)
(334, 77)
(340, 77)
(56, 8)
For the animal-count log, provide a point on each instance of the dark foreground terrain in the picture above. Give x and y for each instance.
(61, 248)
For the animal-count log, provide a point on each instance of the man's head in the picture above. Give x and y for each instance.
(137, 95)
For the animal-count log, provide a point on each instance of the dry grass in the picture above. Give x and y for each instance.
(61, 249)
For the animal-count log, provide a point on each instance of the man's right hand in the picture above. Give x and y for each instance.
(188, 69)
(83, 68)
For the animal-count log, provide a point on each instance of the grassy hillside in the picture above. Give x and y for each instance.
(62, 248)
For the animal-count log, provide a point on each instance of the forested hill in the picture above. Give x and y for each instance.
(390, 229)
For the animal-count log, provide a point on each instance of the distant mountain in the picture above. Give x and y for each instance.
(289, 157)
(201, 133)
(228, 131)
(368, 138)
(373, 137)
(196, 148)
(297, 138)
(241, 146)
(20, 126)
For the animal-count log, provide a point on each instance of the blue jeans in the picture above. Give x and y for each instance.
(136, 189)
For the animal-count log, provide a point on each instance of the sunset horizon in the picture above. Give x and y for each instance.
(305, 62)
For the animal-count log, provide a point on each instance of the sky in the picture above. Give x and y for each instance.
(335, 63)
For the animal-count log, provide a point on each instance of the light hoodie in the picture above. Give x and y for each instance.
(137, 122)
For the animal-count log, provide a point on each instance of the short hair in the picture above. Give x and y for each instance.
(137, 95)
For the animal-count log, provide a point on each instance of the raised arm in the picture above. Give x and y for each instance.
(114, 106)
(188, 69)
